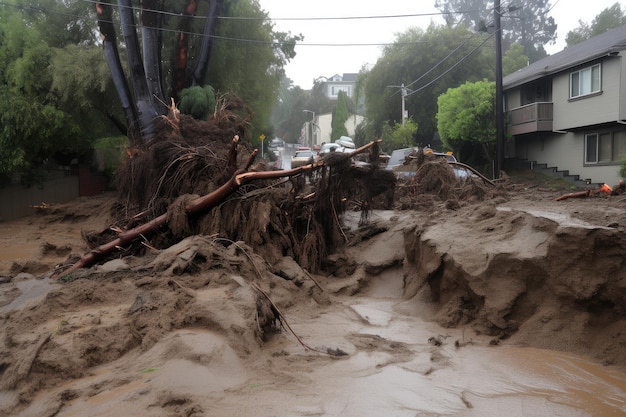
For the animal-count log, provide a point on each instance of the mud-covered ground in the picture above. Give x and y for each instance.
(512, 306)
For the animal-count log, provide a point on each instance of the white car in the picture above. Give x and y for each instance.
(346, 142)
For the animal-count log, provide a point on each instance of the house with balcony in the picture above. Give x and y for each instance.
(567, 112)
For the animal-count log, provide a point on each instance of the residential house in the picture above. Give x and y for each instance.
(337, 83)
(317, 131)
(568, 110)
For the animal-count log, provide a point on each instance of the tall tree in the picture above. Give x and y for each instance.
(524, 21)
(286, 117)
(607, 19)
(148, 101)
(427, 62)
(339, 117)
(514, 59)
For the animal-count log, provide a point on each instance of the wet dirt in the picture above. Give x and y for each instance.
(512, 307)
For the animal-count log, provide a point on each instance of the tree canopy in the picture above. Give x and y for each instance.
(428, 62)
(58, 93)
(607, 19)
(33, 127)
(466, 121)
(526, 22)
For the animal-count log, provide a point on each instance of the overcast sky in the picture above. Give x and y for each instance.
(315, 57)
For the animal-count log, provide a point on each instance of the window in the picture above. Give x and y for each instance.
(605, 147)
(584, 82)
(335, 89)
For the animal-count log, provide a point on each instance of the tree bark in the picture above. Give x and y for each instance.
(179, 66)
(111, 53)
(210, 26)
(152, 43)
(147, 112)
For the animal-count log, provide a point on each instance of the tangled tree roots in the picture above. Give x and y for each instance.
(435, 180)
(187, 156)
(159, 188)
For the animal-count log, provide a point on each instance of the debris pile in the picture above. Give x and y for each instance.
(199, 178)
(429, 179)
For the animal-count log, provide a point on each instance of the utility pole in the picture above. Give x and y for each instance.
(311, 126)
(403, 93)
(499, 93)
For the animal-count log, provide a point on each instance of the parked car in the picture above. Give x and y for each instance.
(301, 158)
(346, 142)
(276, 144)
(328, 148)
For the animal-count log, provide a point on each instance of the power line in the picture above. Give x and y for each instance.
(254, 41)
(443, 60)
(453, 66)
(312, 19)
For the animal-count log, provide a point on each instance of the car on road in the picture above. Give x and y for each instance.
(301, 158)
(276, 144)
(328, 148)
(346, 142)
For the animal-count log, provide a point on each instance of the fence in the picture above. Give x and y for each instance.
(62, 186)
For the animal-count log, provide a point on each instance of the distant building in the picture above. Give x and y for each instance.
(317, 132)
(337, 83)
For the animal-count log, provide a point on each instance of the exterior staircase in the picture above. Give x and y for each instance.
(554, 172)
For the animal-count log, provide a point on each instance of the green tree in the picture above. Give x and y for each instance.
(514, 59)
(82, 87)
(398, 135)
(428, 62)
(525, 21)
(32, 127)
(286, 117)
(197, 101)
(252, 70)
(466, 121)
(607, 19)
(339, 118)
(65, 70)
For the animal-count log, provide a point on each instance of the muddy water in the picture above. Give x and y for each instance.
(392, 369)
(401, 374)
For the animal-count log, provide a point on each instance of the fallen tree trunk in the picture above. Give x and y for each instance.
(198, 205)
(578, 194)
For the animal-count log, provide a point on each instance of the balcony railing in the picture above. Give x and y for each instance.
(534, 117)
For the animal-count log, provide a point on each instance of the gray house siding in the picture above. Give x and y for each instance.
(565, 150)
(585, 136)
(592, 110)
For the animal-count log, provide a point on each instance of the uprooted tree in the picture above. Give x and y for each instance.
(186, 176)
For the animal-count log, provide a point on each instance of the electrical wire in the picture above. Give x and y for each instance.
(467, 56)
(253, 41)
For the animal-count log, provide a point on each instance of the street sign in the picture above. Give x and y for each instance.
(262, 137)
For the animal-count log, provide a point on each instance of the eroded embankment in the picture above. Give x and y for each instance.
(535, 278)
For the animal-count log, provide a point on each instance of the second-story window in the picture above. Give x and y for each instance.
(586, 81)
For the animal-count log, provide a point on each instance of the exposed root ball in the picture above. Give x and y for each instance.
(435, 177)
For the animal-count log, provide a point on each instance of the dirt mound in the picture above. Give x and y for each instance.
(547, 275)
(428, 179)
(94, 317)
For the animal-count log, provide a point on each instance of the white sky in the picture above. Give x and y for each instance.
(314, 61)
